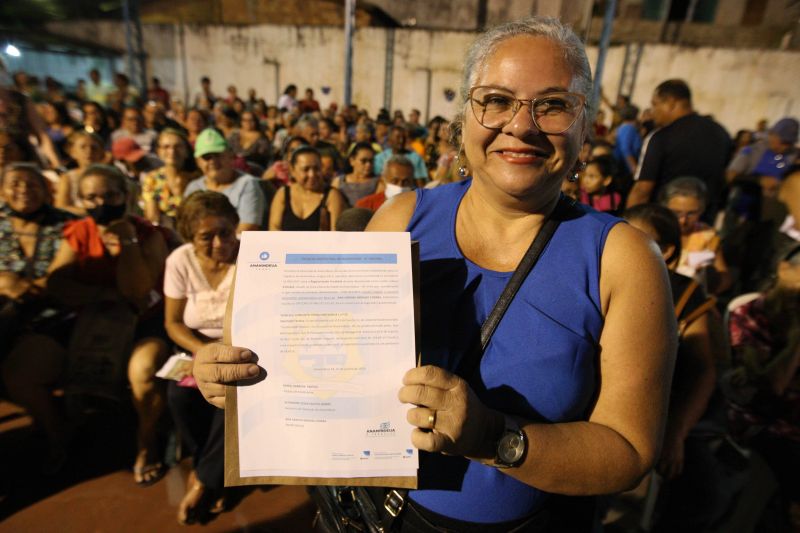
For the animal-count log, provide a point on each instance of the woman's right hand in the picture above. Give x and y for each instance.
(216, 365)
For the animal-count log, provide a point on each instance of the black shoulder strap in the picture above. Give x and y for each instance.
(470, 362)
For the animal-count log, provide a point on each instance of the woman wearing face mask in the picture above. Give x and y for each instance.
(306, 204)
(162, 189)
(85, 149)
(360, 182)
(398, 177)
(112, 256)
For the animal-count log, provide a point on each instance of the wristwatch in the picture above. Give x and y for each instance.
(511, 446)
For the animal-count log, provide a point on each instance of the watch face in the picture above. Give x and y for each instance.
(510, 448)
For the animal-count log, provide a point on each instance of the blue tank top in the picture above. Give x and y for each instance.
(541, 363)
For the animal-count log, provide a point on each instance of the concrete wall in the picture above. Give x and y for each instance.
(738, 87)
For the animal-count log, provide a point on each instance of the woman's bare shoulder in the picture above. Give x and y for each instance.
(394, 214)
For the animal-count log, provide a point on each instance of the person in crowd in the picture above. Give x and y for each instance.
(177, 111)
(22, 121)
(690, 497)
(628, 141)
(397, 178)
(84, 149)
(16, 150)
(416, 140)
(701, 256)
(123, 94)
(163, 188)
(578, 421)
(364, 133)
(307, 203)
(685, 144)
(600, 129)
(434, 142)
(397, 146)
(760, 132)
(328, 130)
(227, 121)
(133, 127)
(360, 181)
(232, 96)
(622, 101)
(197, 281)
(158, 94)
(249, 141)
(742, 139)
(596, 184)
(288, 101)
(308, 104)
(106, 257)
(308, 128)
(763, 384)
(769, 159)
(96, 90)
(95, 121)
(155, 117)
(205, 98)
(215, 160)
(382, 126)
(196, 122)
(133, 160)
(30, 236)
(59, 125)
(279, 174)
(54, 91)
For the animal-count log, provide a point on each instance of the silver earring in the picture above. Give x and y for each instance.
(462, 169)
(576, 176)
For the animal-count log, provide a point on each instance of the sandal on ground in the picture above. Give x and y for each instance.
(148, 473)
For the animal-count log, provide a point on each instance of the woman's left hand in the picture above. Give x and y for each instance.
(449, 416)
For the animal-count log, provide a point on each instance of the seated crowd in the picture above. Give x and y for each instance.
(119, 225)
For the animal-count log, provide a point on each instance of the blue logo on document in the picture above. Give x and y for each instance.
(263, 256)
(365, 453)
(409, 452)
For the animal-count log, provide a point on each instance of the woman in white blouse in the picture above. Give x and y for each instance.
(197, 281)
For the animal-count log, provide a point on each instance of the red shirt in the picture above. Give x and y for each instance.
(373, 201)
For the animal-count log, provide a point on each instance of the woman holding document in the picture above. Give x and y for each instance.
(569, 396)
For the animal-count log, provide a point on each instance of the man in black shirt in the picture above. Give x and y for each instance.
(685, 144)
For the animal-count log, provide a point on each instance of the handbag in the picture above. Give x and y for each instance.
(345, 509)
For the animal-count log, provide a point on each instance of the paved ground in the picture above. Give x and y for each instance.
(95, 491)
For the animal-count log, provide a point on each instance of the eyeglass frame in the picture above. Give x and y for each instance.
(519, 102)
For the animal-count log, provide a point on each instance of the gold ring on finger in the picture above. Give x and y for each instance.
(432, 419)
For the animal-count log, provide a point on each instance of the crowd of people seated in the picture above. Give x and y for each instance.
(120, 211)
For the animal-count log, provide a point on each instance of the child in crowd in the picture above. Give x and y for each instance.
(596, 187)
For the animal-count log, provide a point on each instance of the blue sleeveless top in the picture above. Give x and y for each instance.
(541, 363)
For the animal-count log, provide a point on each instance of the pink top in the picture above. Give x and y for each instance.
(604, 202)
(205, 307)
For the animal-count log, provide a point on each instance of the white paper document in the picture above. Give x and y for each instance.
(331, 317)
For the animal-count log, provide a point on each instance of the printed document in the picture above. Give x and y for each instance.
(330, 316)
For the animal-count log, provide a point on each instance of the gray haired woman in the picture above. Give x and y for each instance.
(569, 398)
(701, 257)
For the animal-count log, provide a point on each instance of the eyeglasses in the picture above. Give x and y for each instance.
(552, 113)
